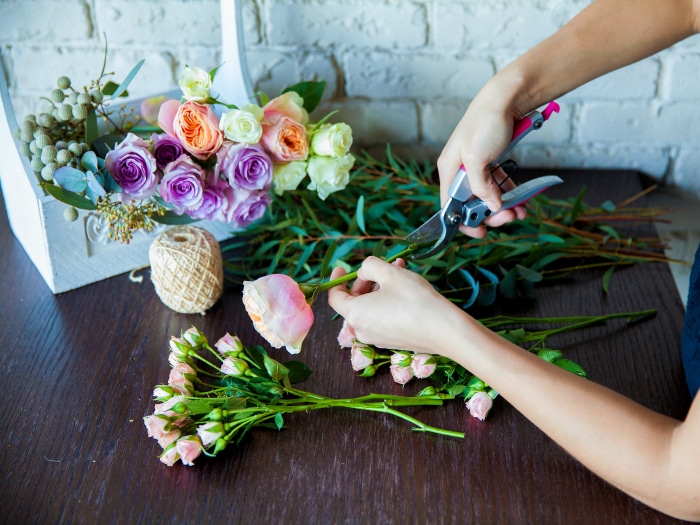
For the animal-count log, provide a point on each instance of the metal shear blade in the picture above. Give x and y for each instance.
(442, 227)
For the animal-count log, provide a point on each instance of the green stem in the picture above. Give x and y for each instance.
(311, 289)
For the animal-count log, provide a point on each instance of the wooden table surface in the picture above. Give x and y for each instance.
(78, 370)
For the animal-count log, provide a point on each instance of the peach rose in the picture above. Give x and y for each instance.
(279, 310)
(197, 127)
(285, 140)
(288, 104)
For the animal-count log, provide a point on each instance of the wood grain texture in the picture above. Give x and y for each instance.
(78, 371)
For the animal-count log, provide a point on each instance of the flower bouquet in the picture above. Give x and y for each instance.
(178, 160)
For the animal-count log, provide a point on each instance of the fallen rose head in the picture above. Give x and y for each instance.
(479, 405)
(279, 310)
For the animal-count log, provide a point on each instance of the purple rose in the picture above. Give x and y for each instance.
(246, 166)
(133, 167)
(166, 149)
(244, 207)
(182, 185)
(214, 203)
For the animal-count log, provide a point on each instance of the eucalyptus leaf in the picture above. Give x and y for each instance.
(121, 90)
(171, 218)
(71, 179)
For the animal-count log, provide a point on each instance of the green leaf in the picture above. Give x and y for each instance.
(528, 274)
(298, 371)
(570, 366)
(171, 218)
(90, 126)
(109, 88)
(549, 238)
(310, 91)
(359, 214)
(279, 421)
(121, 90)
(276, 370)
(549, 354)
(608, 206)
(610, 231)
(68, 197)
(606, 278)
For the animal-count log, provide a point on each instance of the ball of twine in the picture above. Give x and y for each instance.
(186, 269)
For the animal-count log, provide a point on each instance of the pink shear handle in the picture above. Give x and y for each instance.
(526, 123)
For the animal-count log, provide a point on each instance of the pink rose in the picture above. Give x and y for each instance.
(166, 115)
(423, 365)
(400, 359)
(229, 343)
(156, 425)
(285, 140)
(167, 407)
(401, 374)
(479, 405)
(346, 335)
(361, 356)
(170, 455)
(232, 366)
(189, 448)
(279, 310)
(197, 127)
(209, 432)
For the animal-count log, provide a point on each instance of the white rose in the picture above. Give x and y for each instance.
(332, 140)
(195, 84)
(243, 125)
(286, 176)
(329, 174)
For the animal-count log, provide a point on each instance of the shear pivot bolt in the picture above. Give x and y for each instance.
(454, 218)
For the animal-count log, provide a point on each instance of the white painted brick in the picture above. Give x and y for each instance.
(382, 24)
(483, 25)
(43, 21)
(681, 79)
(652, 161)
(378, 122)
(637, 81)
(272, 71)
(419, 75)
(171, 22)
(687, 171)
(613, 122)
(440, 119)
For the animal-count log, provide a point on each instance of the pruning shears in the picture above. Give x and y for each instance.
(463, 208)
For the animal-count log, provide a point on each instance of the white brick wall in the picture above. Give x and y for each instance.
(400, 71)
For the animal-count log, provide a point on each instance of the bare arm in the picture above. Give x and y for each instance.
(654, 458)
(607, 35)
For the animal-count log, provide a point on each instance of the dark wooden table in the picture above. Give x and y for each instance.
(78, 370)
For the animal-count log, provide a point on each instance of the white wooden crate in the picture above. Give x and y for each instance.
(69, 255)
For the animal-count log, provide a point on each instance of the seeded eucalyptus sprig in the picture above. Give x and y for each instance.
(305, 237)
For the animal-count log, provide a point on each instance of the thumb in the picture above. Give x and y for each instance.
(484, 186)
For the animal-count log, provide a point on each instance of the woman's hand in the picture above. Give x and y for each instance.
(482, 135)
(391, 307)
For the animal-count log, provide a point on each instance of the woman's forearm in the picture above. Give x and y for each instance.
(636, 449)
(605, 36)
